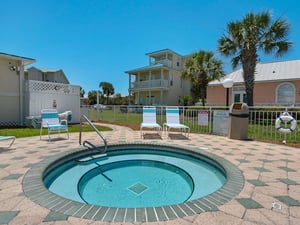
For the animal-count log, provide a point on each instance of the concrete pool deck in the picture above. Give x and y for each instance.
(271, 192)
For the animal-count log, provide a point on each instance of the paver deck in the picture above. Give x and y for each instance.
(271, 192)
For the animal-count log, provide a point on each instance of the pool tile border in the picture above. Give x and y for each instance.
(35, 190)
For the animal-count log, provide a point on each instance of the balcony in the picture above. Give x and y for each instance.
(165, 62)
(150, 84)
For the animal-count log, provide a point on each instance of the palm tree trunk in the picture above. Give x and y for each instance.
(249, 65)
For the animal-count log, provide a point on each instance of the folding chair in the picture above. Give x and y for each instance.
(149, 120)
(50, 120)
(173, 122)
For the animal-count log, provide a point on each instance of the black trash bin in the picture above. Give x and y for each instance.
(238, 121)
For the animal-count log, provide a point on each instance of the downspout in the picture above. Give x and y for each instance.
(21, 92)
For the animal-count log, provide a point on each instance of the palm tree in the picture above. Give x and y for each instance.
(107, 89)
(244, 39)
(82, 92)
(92, 96)
(201, 68)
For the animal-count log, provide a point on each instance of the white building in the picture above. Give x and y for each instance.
(25, 93)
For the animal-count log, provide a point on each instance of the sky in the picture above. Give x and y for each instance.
(95, 41)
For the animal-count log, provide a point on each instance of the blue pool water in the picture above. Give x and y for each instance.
(135, 178)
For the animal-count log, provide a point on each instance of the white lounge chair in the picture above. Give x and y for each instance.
(50, 120)
(10, 139)
(173, 122)
(149, 120)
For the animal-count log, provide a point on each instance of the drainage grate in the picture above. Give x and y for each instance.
(276, 205)
(138, 188)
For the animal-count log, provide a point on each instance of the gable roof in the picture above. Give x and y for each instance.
(25, 60)
(267, 72)
(47, 70)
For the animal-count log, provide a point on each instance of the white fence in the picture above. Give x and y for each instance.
(47, 95)
(209, 120)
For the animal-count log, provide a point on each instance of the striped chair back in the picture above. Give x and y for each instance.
(172, 116)
(49, 117)
(149, 114)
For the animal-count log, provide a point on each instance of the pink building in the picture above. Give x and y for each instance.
(276, 83)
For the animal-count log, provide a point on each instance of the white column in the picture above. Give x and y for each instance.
(129, 86)
(150, 86)
(21, 91)
(161, 97)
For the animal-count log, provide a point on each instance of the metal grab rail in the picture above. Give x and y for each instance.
(95, 129)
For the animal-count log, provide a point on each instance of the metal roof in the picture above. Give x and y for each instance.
(267, 72)
(47, 70)
(25, 60)
(159, 52)
(145, 68)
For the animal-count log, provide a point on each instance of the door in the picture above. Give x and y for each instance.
(240, 97)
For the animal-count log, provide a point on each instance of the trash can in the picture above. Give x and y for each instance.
(238, 121)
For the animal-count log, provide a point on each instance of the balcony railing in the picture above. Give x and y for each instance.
(165, 62)
(160, 83)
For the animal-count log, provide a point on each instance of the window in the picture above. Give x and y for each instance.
(171, 80)
(239, 94)
(285, 93)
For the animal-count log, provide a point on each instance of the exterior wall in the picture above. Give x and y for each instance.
(177, 62)
(297, 85)
(216, 95)
(264, 93)
(179, 88)
(9, 94)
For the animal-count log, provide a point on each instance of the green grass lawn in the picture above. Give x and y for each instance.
(256, 131)
(29, 132)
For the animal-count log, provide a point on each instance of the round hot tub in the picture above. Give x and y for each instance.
(138, 182)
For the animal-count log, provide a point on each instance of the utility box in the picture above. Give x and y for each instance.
(238, 121)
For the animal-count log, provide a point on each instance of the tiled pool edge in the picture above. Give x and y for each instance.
(34, 189)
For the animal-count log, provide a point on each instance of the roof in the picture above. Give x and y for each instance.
(145, 68)
(267, 72)
(159, 52)
(47, 70)
(26, 61)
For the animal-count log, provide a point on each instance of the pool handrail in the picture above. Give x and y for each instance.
(94, 128)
